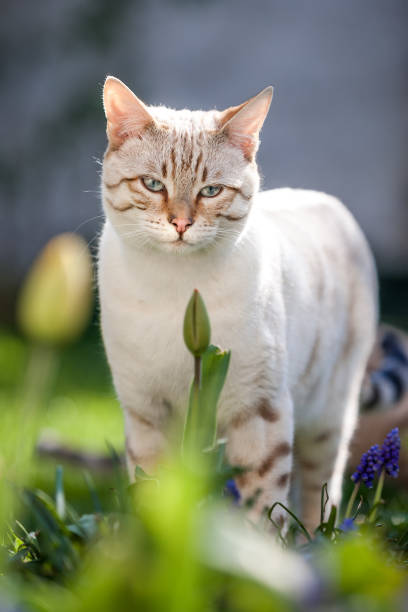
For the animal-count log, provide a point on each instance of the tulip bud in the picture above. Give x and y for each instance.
(197, 330)
(56, 298)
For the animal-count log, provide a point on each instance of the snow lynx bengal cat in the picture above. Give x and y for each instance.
(287, 277)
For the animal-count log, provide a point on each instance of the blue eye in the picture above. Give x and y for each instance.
(152, 184)
(210, 191)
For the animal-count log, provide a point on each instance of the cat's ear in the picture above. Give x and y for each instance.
(243, 123)
(126, 115)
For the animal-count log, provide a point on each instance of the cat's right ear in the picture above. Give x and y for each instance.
(126, 115)
(243, 123)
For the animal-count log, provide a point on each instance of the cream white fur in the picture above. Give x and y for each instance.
(291, 290)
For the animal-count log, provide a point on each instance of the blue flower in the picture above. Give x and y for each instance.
(390, 452)
(231, 490)
(376, 458)
(370, 463)
(348, 525)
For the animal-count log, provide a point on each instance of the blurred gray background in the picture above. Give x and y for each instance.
(338, 121)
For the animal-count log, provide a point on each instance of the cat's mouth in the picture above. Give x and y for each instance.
(180, 242)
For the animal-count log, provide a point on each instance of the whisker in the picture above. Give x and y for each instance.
(101, 216)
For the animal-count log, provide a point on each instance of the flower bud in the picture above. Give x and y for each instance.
(197, 330)
(56, 298)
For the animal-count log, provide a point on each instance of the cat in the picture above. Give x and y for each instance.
(288, 280)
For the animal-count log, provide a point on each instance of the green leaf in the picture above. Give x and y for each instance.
(324, 498)
(328, 528)
(59, 492)
(141, 475)
(358, 566)
(201, 420)
(215, 363)
(93, 493)
(293, 515)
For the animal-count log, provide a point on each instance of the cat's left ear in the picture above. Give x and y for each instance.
(126, 115)
(243, 123)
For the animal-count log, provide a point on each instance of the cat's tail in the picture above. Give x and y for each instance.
(386, 380)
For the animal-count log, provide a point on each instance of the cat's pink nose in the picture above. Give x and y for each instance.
(181, 223)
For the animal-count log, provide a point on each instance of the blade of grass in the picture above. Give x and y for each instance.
(295, 518)
(59, 492)
(96, 502)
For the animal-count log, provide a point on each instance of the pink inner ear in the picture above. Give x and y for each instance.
(124, 126)
(247, 142)
(126, 114)
(243, 123)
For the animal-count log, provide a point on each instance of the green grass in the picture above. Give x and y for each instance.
(81, 412)
(82, 409)
(141, 548)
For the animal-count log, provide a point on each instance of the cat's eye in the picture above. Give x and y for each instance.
(152, 184)
(210, 191)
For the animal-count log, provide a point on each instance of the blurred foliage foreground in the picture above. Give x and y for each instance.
(178, 540)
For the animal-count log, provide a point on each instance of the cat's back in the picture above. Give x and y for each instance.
(301, 207)
(328, 276)
(308, 222)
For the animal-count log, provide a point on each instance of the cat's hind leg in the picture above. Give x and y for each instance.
(321, 449)
(261, 443)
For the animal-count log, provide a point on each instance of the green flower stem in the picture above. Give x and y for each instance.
(18, 444)
(377, 497)
(352, 499)
(197, 372)
(40, 374)
(191, 427)
(195, 417)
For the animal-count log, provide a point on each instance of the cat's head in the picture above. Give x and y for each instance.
(179, 180)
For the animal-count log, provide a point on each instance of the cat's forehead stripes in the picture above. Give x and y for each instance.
(187, 143)
(186, 158)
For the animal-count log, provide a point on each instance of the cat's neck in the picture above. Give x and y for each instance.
(224, 259)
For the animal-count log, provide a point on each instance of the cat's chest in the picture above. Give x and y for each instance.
(150, 327)
(142, 319)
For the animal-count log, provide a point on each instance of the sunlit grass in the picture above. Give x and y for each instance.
(82, 409)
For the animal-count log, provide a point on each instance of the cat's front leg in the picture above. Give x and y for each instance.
(260, 441)
(145, 439)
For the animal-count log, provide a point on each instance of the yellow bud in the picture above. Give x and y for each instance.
(197, 330)
(56, 298)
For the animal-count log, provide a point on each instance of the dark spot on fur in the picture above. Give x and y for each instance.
(173, 162)
(281, 450)
(283, 480)
(308, 465)
(323, 436)
(240, 419)
(243, 480)
(266, 412)
(198, 162)
(231, 218)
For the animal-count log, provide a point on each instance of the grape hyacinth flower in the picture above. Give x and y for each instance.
(369, 464)
(390, 452)
(347, 525)
(231, 490)
(382, 460)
